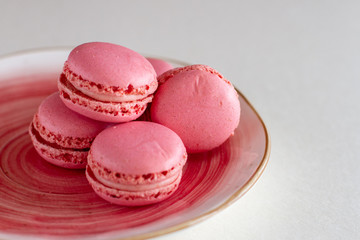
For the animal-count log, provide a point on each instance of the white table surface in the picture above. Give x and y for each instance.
(298, 62)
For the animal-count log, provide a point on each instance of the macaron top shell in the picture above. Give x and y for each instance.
(56, 118)
(159, 65)
(138, 148)
(198, 104)
(110, 65)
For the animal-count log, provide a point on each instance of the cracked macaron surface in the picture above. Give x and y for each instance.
(197, 103)
(107, 82)
(136, 163)
(61, 136)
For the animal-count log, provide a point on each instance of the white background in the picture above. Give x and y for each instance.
(298, 62)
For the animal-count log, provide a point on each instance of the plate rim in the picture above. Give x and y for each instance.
(230, 200)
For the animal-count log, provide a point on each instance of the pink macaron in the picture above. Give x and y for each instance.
(159, 65)
(61, 136)
(197, 103)
(107, 82)
(136, 163)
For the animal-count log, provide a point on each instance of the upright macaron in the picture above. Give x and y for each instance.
(107, 82)
(136, 163)
(197, 103)
(61, 136)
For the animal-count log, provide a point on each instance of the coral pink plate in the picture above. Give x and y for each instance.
(39, 200)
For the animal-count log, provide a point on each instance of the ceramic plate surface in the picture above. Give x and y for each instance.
(39, 200)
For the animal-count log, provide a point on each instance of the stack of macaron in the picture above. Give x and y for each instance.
(89, 123)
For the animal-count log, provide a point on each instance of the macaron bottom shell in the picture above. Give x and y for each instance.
(132, 197)
(62, 157)
(105, 111)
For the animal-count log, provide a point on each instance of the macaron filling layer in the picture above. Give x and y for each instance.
(56, 154)
(117, 178)
(138, 187)
(69, 93)
(36, 134)
(59, 140)
(108, 93)
(132, 197)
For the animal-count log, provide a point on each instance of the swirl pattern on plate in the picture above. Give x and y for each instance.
(37, 198)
